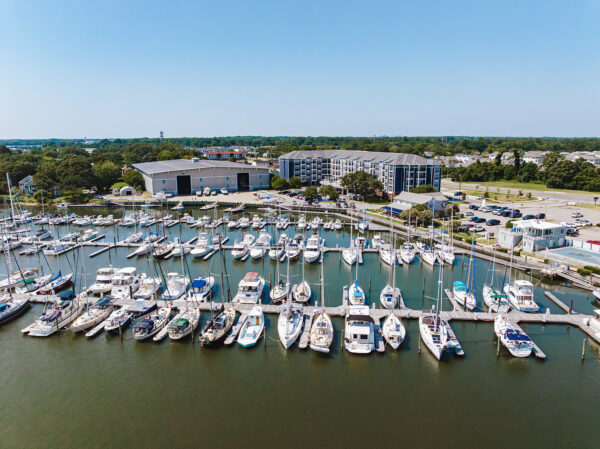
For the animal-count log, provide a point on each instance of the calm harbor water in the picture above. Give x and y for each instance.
(69, 391)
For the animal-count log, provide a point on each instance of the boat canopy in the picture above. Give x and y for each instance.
(252, 276)
(145, 324)
(181, 322)
(104, 301)
(198, 283)
(66, 294)
(3, 306)
(459, 285)
(360, 318)
(516, 336)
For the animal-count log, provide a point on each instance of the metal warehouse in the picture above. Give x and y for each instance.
(186, 176)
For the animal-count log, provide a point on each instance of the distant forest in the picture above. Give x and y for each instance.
(66, 165)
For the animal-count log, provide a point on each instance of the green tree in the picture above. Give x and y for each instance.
(329, 191)
(295, 182)
(419, 213)
(310, 193)
(75, 171)
(41, 193)
(280, 184)
(425, 188)
(361, 183)
(106, 175)
(135, 179)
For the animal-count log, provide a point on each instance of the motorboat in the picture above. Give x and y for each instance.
(393, 331)
(282, 222)
(463, 295)
(133, 238)
(495, 300)
(218, 327)
(359, 330)
(89, 234)
(363, 225)
(179, 248)
(103, 283)
(250, 289)
(57, 315)
(176, 286)
(312, 251)
(125, 283)
(294, 248)
(301, 223)
(260, 246)
(520, 295)
(257, 222)
(56, 248)
(337, 225)
(278, 249)
(302, 292)
(321, 333)
(201, 288)
(93, 315)
(315, 223)
(32, 284)
(233, 224)
(252, 328)
(149, 288)
(152, 324)
(350, 255)
(184, 324)
(83, 221)
(119, 318)
(202, 246)
(356, 295)
(512, 337)
(240, 250)
(289, 323)
(178, 207)
(244, 222)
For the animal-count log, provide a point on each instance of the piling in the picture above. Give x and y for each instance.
(419, 345)
(369, 288)
(583, 349)
(265, 337)
(423, 293)
(570, 307)
(342, 341)
(498, 347)
(120, 332)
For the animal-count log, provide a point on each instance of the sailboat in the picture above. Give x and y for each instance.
(152, 324)
(512, 337)
(218, 327)
(184, 324)
(350, 254)
(393, 331)
(58, 315)
(281, 290)
(321, 332)
(11, 307)
(494, 299)
(356, 295)
(391, 296)
(95, 314)
(289, 323)
(463, 293)
(302, 292)
(435, 331)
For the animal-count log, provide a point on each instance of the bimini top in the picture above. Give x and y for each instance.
(459, 285)
(198, 283)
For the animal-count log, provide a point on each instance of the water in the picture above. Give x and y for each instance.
(69, 391)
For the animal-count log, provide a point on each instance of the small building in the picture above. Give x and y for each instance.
(26, 185)
(127, 191)
(434, 201)
(187, 176)
(533, 235)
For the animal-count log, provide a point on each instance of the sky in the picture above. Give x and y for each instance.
(96, 69)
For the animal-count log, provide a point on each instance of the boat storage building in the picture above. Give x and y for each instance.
(186, 176)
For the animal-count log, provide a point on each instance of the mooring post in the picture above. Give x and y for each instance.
(571, 307)
(498, 347)
(423, 293)
(419, 345)
(120, 332)
(583, 349)
(265, 336)
(369, 286)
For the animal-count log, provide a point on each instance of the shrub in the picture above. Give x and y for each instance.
(517, 253)
(508, 224)
(583, 271)
(502, 250)
(468, 240)
(592, 268)
(118, 185)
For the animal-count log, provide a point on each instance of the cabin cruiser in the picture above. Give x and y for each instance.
(289, 323)
(302, 223)
(363, 225)
(94, 315)
(512, 337)
(356, 295)
(56, 247)
(252, 328)
(337, 225)
(520, 295)
(312, 251)
(125, 283)
(103, 282)
(186, 219)
(201, 288)
(149, 288)
(282, 222)
(495, 300)
(133, 238)
(294, 248)
(89, 234)
(179, 248)
(359, 330)
(176, 287)
(393, 331)
(407, 253)
(184, 324)
(244, 222)
(278, 249)
(120, 318)
(83, 221)
(260, 246)
(58, 315)
(202, 246)
(463, 295)
(315, 223)
(218, 327)
(241, 249)
(250, 289)
(233, 224)
(152, 324)
(71, 237)
(257, 222)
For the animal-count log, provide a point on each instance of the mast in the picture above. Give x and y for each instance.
(7, 263)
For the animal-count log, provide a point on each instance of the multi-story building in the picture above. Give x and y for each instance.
(533, 235)
(398, 172)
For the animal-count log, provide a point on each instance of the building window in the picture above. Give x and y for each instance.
(163, 181)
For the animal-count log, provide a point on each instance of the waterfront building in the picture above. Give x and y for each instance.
(187, 176)
(398, 172)
(533, 235)
(434, 201)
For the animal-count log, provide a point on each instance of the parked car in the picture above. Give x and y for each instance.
(477, 229)
(540, 216)
(479, 220)
(473, 218)
(480, 197)
(572, 232)
(492, 222)
(529, 217)
(469, 213)
(486, 209)
(577, 215)
(473, 207)
(466, 227)
(593, 242)
(458, 194)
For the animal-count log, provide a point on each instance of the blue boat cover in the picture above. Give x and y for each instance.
(198, 283)
(104, 300)
(145, 324)
(67, 294)
(516, 336)
(3, 307)
(459, 285)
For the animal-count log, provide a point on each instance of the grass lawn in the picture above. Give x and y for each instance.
(520, 186)
(501, 197)
(589, 206)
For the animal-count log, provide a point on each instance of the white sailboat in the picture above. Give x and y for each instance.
(321, 332)
(302, 292)
(494, 299)
(350, 254)
(289, 323)
(512, 337)
(393, 331)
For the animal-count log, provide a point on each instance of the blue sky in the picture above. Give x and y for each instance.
(212, 68)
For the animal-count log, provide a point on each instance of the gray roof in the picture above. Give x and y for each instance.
(419, 198)
(151, 168)
(371, 156)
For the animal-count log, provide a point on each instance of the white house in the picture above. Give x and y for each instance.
(533, 235)
(26, 185)
(435, 200)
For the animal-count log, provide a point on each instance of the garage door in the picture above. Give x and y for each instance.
(184, 185)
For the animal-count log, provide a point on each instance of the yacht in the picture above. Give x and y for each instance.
(244, 222)
(184, 324)
(428, 255)
(390, 296)
(512, 337)
(446, 253)
(463, 295)
(120, 318)
(233, 224)
(321, 333)
(282, 222)
(152, 324)
(289, 323)
(163, 250)
(179, 248)
(312, 252)
(201, 288)
(495, 300)
(218, 327)
(377, 242)
(359, 330)
(393, 331)
(257, 222)
(94, 315)
(58, 315)
(363, 225)
(133, 238)
(56, 284)
(279, 292)
(56, 247)
(302, 223)
(356, 295)
(294, 248)
(12, 308)
(242, 248)
(350, 255)
(260, 246)
(252, 328)
(176, 286)
(302, 292)
(520, 295)
(202, 246)
(250, 289)
(337, 225)
(407, 253)
(125, 283)
(149, 288)
(315, 223)
(278, 249)
(103, 282)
